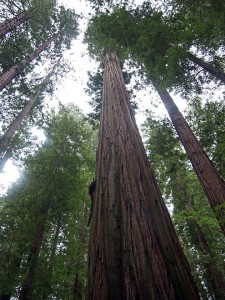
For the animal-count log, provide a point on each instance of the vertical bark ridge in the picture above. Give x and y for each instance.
(213, 185)
(134, 251)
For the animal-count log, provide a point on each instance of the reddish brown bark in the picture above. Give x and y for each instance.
(15, 70)
(6, 138)
(134, 251)
(11, 24)
(212, 183)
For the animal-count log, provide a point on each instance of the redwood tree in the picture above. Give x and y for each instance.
(134, 251)
(212, 183)
(7, 136)
(15, 70)
(9, 25)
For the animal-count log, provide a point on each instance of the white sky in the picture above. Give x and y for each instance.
(71, 88)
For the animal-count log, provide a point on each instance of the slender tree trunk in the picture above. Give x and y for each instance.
(4, 158)
(219, 74)
(52, 258)
(213, 185)
(11, 24)
(9, 75)
(214, 277)
(32, 261)
(6, 138)
(208, 67)
(134, 251)
(77, 288)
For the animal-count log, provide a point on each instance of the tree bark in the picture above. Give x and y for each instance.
(207, 66)
(134, 251)
(11, 24)
(32, 261)
(15, 70)
(213, 185)
(219, 74)
(6, 138)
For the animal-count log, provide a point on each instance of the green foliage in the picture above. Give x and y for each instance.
(194, 221)
(57, 174)
(152, 40)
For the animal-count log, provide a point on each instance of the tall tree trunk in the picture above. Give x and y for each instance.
(11, 24)
(213, 275)
(219, 74)
(6, 138)
(32, 261)
(134, 251)
(14, 71)
(212, 183)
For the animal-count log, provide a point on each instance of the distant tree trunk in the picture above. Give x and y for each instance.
(213, 185)
(11, 24)
(6, 138)
(32, 261)
(4, 158)
(52, 258)
(77, 288)
(15, 70)
(213, 275)
(134, 251)
(219, 74)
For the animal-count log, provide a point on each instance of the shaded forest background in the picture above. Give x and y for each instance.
(173, 48)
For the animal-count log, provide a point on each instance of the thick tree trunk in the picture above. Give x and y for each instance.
(32, 261)
(134, 251)
(9, 75)
(6, 138)
(212, 183)
(11, 24)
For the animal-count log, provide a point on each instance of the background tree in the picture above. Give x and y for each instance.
(195, 223)
(51, 193)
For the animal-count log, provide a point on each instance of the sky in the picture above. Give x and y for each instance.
(71, 87)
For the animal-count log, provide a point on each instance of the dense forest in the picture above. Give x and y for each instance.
(104, 209)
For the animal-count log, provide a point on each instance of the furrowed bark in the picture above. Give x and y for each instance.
(213, 185)
(12, 73)
(11, 24)
(134, 251)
